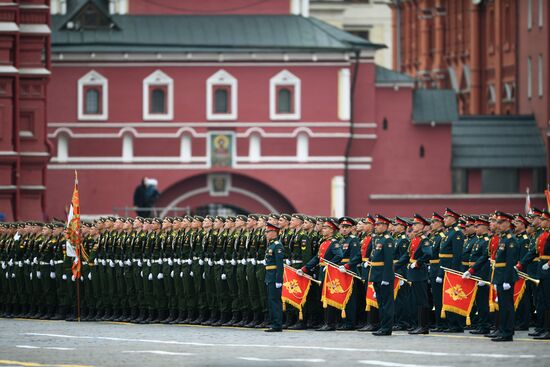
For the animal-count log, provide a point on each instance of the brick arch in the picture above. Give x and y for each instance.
(246, 192)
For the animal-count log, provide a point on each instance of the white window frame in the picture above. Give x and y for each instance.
(540, 76)
(158, 78)
(284, 78)
(93, 78)
(529, 78)
(221, 78)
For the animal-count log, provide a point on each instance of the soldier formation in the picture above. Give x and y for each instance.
(212, 270)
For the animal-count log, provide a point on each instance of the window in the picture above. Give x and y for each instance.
(499, 180)
(92, 97)
(284, 96)
(539, 180)
(460, 181)
(221, 96)
(158, 97)
(127, 147)
(62, 148)
(529, 14)
(185, 148)
(529, 78)
(540, 77)
(344, 86)
(92, 101)
(508, 92)
(491, 94)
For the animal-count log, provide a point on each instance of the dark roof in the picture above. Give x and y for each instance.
(207, 33)
(387, 76)
(497, 142)
(434, 105)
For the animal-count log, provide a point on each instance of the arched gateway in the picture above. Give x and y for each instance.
(234, 190)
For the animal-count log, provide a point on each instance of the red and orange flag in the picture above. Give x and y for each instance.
(519, 289)
(74, 235)
(295, 289)
(337, 288)
(458, 295)
(371, 296)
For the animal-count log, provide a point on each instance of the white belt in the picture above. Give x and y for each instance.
(196, 258)
(159, 261)
(221, 262)
(58, 262)
(27, 261)
(178, 261)
(250, 259)
(243, 261)
(164, 259)
(135, 260)
(44, 263)
(207, 259)
(261, 262)
(297, 261)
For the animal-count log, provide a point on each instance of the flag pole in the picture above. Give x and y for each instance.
(304, 275)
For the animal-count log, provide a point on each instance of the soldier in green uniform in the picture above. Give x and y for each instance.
(230, 269)
(168, 274)
(382, 274)
(180, 306)
(251, 261)
(261, 248)
(330, 250)
(505, 276)
(309, 246)
(210, 243)
(197, 268)
(480, 266)
(404, 303)
(523, 312)
(222, 300)
(436, 236)
(351, 257)
(274, 277)
(189, 294)
(240, 256)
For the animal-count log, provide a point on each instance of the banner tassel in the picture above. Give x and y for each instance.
(284, 306)
(468, 321)
(442, 314)
(343, 313)
(300, 315)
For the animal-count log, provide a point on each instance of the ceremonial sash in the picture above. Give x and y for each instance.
(323, 249)
(414, 246)
(364, 246)
(541, 242)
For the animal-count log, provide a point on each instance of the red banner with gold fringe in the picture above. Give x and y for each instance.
(337, 288)
(458, 295)
(295, 289)
(519, 289)
(371, 295)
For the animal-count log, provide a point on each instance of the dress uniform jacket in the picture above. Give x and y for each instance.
(419, 251)
(381, 259)
(330, 250)
(450, 250)
(505, 259)
(479, 257)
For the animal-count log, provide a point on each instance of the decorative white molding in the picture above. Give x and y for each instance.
(158, 79)
(450, 196)
(193, 167)
(285, 78)
(337, 196)
(371, 125)
(344, 92)
(93, 78)
(221, 78)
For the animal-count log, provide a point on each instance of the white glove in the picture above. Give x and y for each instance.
(26, 261)
(224, 277)
(35, 260)
(141, 273)
(253, 261)
(300, 272)
(401, 282)
(13, 275)
(103, 262)
(7, 275)
(39, 275)
(191, 274)
(366, 264)
(30, 276)
(160, 276)
(201, 262)
(374, 294)
(481, 284)
(189, 261)
(150, 277)
(10, 263)
(287, 261)
(384, 283)
(139, 263)
(438, 280)
(170, 262)
(52, 263)
(52, 275)
(172, 274)
(64, 277)
(203, 276)
(73, 278)
(4, 265)
(128, 262)
(210, 263)
(278, 285)
(342, 269)
(545, 267)
(89, 276)
(466, 275)
(233, 262)
(506, 286)
(412, 265)
(111, 263)
(81, 278)
(181, 274)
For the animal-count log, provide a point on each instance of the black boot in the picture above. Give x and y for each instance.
(545, 335)
(299, 325)
(121, 315)
(151, 316)
(140, 317)
(209, 317)
(289, 320)
(171, 317)
(262, 322)
(422, 323)
(224, 317)
(71, 316)
(161, 315)
(116, 314)
(191, 316)
(198, 319)
(234, 319)
(181, 315)
(255, 321)
(245, 320)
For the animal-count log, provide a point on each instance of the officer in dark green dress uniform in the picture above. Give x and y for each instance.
(523, 312)
(450, 256)
(416, 258)
(330, 250)
(351, 257)
(274, 278)
(404, 307)
(480, 266)
(382, 274)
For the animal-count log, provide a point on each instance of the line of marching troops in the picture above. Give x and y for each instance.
(214, 270)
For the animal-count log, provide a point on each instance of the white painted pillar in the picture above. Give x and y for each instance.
(338, 188)
(62, 148)
(255, 148)
(344, 90)
(302, 147)
(295, 6)
(305, 8)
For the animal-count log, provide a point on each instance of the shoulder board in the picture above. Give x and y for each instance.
(442, 234)
(387, 236)
(509, 235)
(423, 236)
(276, 242)
(352, 236)
(486, 238)
(403, 236)
(525, 237)
(457, 228)
(336, 245)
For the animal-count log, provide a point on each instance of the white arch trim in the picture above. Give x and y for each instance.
(203, 190)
